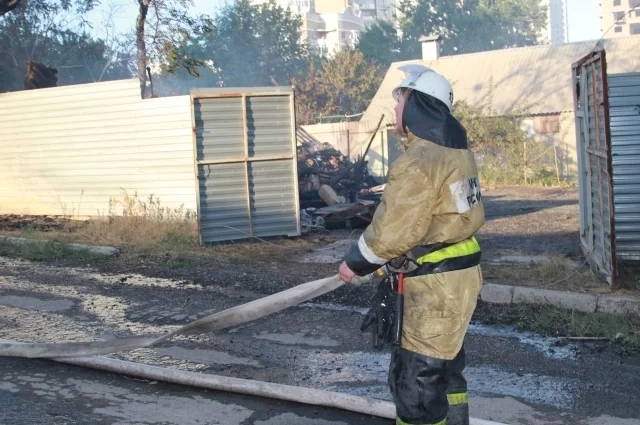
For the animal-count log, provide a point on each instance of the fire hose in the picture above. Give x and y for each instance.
(78, 353)
(225, 319)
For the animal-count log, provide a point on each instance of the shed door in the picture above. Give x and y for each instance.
(246, 168)
(594, 164)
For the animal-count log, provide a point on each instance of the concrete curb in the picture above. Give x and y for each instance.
(587, 303)
(101, 250)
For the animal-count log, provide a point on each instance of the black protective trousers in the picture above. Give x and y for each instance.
(428, 391)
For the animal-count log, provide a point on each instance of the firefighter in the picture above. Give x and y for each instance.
(424, 228)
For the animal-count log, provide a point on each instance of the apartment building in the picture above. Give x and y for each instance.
(369, 10)
(620, 18)
(298, 6)
(556, 31)
(333, 25)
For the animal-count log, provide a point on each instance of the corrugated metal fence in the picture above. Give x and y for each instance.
(246, 162)
(73, 150)
(597, 230)
(69, 150)
(608, 141)
(624, 103)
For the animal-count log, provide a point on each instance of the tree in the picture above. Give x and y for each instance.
(504, 151)
(52, 32)
(253, 45)
(119, 49)
(380, 42)
(7, 6)
(163, 30)
(310, 96)
(344, 85)
(467, 26)
(472, 25)
(141, 43)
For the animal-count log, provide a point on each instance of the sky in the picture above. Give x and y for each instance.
(124, 13)
(584, 19)
(584, 16)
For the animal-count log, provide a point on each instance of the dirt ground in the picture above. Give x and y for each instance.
(515, 377)
(530, 221)
(520, 222)
(40, 392)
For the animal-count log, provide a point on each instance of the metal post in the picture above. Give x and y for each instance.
(555, 156)
(525, 163)
(348, 144)
(246, 160)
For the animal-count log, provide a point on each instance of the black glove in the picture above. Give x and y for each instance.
(382, 316)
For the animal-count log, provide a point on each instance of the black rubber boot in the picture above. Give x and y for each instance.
(418, 385)
(457, 391)
(458, 415)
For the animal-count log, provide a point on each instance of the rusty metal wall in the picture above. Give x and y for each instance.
(69, 150)
(246, 163)
(624, 104)
(597, 228)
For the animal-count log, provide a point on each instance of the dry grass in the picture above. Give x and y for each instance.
(556, 273)
(624, 331)
(277, 249)
(552, 273)
(139, 223)
(629, 276)
(146, 226)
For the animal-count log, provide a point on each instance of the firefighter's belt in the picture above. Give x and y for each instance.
(441, 258)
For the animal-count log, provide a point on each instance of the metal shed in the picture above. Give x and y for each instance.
(607, 109)
(245, 163)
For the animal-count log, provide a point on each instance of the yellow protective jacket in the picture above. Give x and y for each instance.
(432, 204)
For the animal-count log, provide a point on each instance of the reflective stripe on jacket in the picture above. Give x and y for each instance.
(431, 209)
(432, 198)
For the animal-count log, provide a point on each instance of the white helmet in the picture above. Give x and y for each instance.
(425, 80)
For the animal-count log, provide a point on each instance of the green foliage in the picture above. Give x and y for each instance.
(555, 322)
(252, 45)
(163, 33)
(45, 250)
(504, 151)
(465, 26)
(243, 45)
(54, 33)
(472, 25)
(380, 43)
(168, 32)
(181, 262)
(342, 85)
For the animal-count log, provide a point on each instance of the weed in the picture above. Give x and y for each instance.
(73, 214)
(555, 322)
(48, 250)
(504, 150)
(629, 275)
(180, 262)
(553, 272)
(144, 224)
